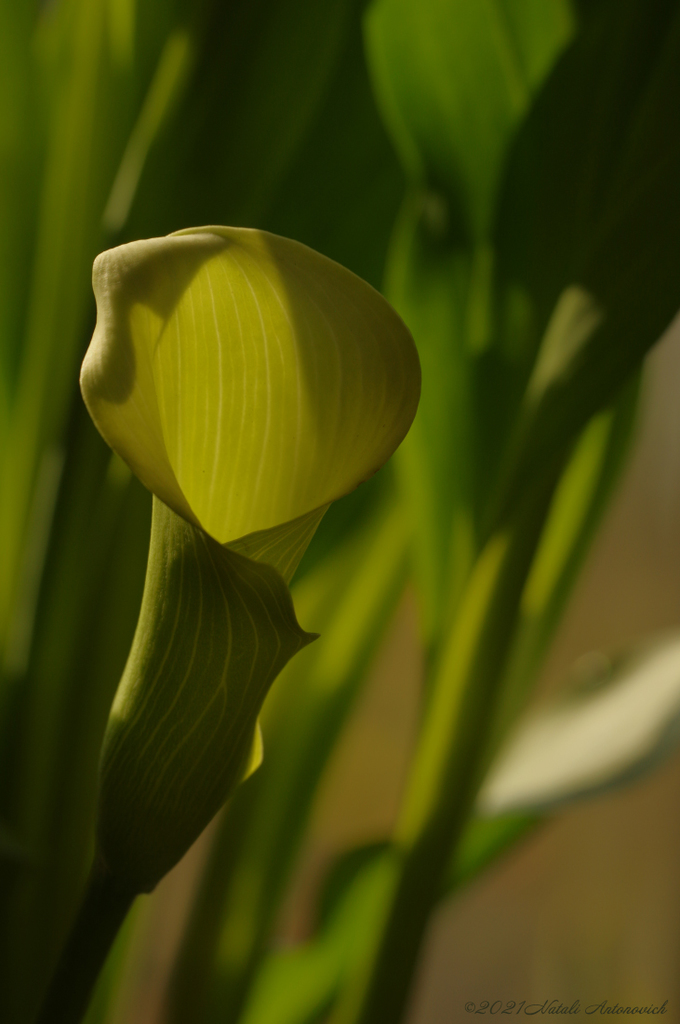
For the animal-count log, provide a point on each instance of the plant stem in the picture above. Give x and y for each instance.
(102, 912)
(450, 761)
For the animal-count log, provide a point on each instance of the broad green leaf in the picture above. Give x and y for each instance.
(261, 79)
(624, 721)
(300, 383)
(454, 79)
(592, 141)
(590, 221)
(342, 194)
(77, 654)
(169, 77)
(214, 631)
(575, 512)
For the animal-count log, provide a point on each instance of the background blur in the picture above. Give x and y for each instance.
(473, 161)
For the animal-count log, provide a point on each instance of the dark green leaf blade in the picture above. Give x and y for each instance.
(258, 85)
(591, 211)
(454, 79)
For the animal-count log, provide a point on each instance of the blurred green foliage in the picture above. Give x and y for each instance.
(507, 172)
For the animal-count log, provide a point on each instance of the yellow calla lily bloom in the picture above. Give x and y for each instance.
(248, 382)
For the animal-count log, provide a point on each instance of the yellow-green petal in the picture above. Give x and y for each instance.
(246, 379)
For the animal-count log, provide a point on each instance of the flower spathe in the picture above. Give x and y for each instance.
(248, 382)
(246, 379)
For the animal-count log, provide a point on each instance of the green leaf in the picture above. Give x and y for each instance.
(482, 842)
(84, 623)
(342, 194)
(454, 79)
(428, 287)
(21, 148)
(299, 986)
(12, 850)
(578, 504)
(69, 111)
(214, 631)
(247, 380)
(261, 79)
(106, 992)
(167, 82)
(590, 221)
(621, 722)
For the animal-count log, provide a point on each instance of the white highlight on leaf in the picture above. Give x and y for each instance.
(575, 319)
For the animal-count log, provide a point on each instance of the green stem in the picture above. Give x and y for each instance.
(449, 764)
(102, 912)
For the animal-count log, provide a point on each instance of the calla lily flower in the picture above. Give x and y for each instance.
(248, 382)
